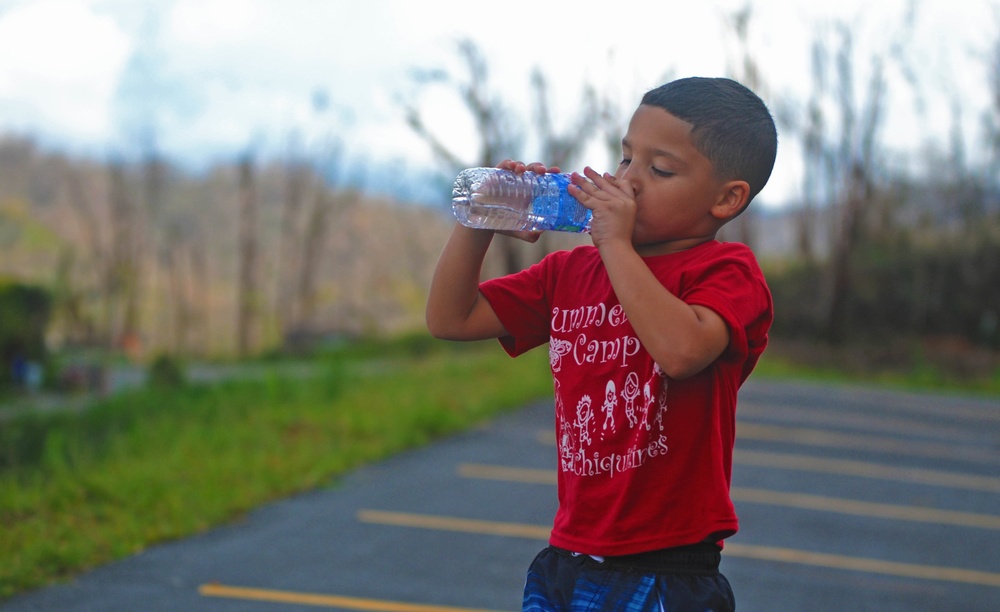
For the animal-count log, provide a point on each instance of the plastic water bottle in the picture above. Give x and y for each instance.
(491, 198)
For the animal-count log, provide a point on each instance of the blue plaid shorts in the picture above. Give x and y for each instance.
(559, 581)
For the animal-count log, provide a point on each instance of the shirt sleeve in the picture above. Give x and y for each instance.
(733, 286)
(521, 302)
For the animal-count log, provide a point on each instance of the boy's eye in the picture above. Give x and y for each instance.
(625, 161)
(663, 173)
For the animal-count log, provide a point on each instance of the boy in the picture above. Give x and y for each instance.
(651, 332)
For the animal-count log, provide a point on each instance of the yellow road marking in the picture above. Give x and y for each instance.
(448, 523)
(864, 469)
(749, 551)
(512, 474)
(860, 564)
(867, 422)
(861, 508)
(774, 498)
(316, 599)
(882, 444)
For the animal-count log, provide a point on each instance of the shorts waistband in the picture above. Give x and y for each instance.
(695, 560)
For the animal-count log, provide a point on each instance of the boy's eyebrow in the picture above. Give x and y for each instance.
(656, 152)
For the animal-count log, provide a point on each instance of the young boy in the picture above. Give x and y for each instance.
(651, 332)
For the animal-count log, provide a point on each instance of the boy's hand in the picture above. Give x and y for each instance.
(612, 203)
(520, 168)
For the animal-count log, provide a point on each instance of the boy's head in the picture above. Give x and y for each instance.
(732, 127)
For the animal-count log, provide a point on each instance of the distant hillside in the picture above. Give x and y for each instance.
(168, 256)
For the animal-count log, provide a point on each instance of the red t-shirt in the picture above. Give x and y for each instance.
(645, 461)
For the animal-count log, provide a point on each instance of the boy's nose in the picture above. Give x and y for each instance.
(626, 177)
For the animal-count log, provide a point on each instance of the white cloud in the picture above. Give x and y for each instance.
(59, 63)
(235, 71)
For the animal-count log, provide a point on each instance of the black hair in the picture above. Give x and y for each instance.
(732, 126)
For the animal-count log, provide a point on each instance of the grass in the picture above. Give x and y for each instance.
(902, 365)
(81, 489)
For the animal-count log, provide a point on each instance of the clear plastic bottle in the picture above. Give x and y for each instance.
(491, 198)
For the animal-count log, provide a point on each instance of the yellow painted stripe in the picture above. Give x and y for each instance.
(749, 551)
(448, 523)
(861, 508)
(817, 437)
(860, 564)
(774, 498)
(882, 444)
(510, 474)
(864, 469)
(315, 599)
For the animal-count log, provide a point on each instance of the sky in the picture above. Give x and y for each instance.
(215, 78)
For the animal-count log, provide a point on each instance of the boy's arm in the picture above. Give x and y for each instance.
(456, 310)
(683, 339)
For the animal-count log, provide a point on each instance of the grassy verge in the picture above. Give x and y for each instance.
(903, 366)
(81, 489)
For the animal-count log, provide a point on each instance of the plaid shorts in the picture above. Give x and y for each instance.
(559, 581)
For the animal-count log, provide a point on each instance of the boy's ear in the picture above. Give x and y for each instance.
(734, 196)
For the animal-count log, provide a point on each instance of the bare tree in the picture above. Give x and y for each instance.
(492, 120)
(745, 69)
(121, 285)
(856, 163)
(297, 178)
(325, 204)
(991, 120)
(248, 297)
(816, 181)
(560, 149)
(84, 203)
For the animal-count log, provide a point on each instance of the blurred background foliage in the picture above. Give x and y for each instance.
(136, 259)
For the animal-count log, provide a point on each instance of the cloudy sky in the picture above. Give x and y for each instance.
(214, 77)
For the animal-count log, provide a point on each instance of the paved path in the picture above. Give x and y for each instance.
(849, 499)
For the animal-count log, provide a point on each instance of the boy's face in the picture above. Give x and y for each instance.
(676, 191)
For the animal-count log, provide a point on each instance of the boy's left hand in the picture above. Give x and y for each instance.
(612, 202)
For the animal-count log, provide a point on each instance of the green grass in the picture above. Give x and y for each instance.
(82, 489)
(861, 365)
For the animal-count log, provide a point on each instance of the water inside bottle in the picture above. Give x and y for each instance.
(493, 201)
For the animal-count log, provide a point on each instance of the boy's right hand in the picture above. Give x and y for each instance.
(520, 168)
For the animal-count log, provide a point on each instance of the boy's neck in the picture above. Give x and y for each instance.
(672, 246)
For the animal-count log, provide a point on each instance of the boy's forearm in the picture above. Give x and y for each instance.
(454, 291)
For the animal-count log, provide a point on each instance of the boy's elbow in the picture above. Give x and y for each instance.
(682, 365)
(435, 327)
(681, 371)
(439, 333)
(441, 328)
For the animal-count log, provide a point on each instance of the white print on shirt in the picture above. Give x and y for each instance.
(629, 394)
(557, 349)
(610, 402)
(614, 463)
(584, 415)
(580, 341)
(583, 349)
(659, 379)
(566, 437)
(574, 319)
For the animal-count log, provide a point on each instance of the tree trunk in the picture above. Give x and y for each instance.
(247, 300)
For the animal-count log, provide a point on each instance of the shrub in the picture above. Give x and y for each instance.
(24, 317)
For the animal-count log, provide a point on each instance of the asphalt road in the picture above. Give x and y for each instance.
(849, 499)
